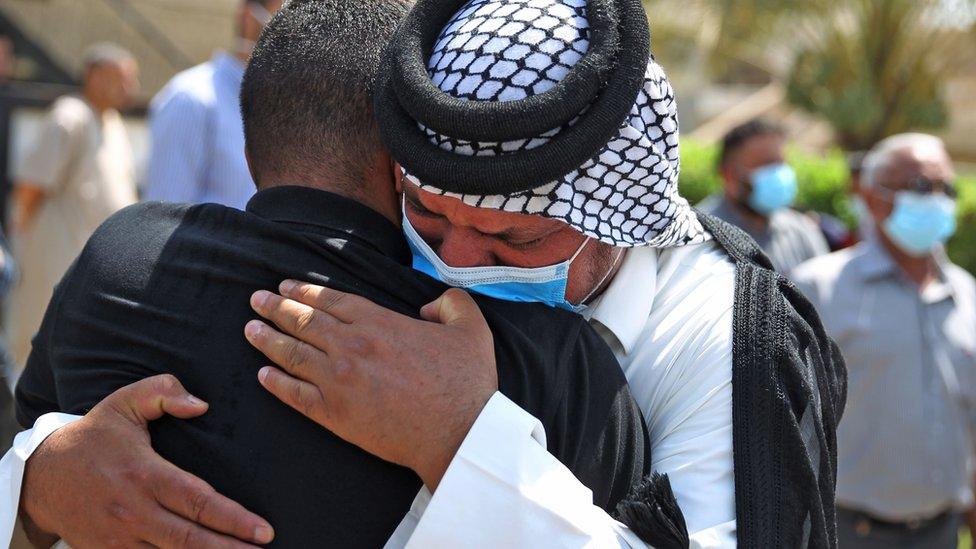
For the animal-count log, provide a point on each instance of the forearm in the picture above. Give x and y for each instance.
(12, 468)
(28, 199)
(524, 494)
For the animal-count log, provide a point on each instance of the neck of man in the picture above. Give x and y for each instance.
(94, 101)
(374, 189)
(920, 270)
(755, 221)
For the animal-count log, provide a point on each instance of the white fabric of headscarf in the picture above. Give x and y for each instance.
(626, 195)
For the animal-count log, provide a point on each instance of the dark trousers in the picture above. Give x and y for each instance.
(855, 530)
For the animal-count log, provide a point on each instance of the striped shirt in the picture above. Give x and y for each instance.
(905, 447)
(197, 150)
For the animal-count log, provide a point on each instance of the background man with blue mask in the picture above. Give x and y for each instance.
(759, 188)
(905, 319)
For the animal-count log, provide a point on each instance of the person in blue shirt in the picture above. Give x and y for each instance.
(197, 150)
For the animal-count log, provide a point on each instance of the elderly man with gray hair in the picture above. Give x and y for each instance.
(905, 319)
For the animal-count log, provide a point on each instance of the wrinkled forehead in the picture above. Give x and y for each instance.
(485, 220)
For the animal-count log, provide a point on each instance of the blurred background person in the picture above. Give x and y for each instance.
(8, 268)
(78, 172)
(758, 188)
(905, 319)
(197, 150)
(865, 224)
(6, 59)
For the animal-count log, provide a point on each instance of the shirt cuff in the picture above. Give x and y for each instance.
(504, 489)
(13, 463)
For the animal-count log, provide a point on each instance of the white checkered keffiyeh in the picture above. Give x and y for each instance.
(626, 195)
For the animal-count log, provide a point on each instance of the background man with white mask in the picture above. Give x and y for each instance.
(759, 190)
(905, 319)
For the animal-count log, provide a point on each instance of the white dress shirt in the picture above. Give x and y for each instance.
(668, 317)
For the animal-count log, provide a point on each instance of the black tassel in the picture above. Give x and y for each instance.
(651, 512)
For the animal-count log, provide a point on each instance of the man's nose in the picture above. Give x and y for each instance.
(465, 248)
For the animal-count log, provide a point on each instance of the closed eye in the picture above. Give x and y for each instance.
(420, 210)
(527, 245)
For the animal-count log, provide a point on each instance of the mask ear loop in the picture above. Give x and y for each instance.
(578, 251)
(599, 285)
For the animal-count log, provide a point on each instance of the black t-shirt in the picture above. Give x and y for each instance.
(164, 288)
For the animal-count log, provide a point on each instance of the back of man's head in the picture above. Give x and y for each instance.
(307, 95)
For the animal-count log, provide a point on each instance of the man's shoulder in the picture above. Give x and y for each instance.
(194, 86)
(826, 268)
(961, 279)
(138, 233)
(545, 327)
(544, 351)
(150, 216)
(71, 111)
(710, 204)
(697, 283)
(704, 266)
(795, 221)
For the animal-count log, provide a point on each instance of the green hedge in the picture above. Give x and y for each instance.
(823, 187)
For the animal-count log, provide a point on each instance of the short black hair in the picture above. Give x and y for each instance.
(739, 135)
(307, 94)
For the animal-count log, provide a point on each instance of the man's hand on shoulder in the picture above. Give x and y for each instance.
(98, 482)
(405, 390)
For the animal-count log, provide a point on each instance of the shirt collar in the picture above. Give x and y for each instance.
(874, 262)
(626, 304)
(228, 65)
(326, 213)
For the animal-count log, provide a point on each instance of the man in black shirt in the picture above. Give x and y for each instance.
(164, 288)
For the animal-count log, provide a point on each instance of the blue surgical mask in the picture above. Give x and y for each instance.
(774, 187)
(536, 285)
(920, 222)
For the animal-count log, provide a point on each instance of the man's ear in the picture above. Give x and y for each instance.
(879, 207)
(729, 181)
(250, 168)
(398, 177)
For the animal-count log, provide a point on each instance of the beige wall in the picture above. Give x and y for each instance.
(66, 27)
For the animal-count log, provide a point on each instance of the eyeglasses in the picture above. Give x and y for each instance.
(922, 185)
